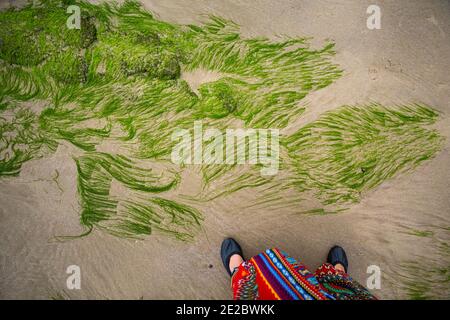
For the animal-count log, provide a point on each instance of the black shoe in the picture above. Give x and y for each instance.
(337, 255)
(229, 247)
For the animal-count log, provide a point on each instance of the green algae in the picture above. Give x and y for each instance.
(355, 148)
(421, 233)
(116, 213)
(117, 81)
(20, 139)
(429, 279)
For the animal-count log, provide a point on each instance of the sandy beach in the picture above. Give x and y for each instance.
(402, 225)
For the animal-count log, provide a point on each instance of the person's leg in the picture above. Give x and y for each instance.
(235, 261)
(339, 267)
(334, 278)
(338, 258)
(231, 254)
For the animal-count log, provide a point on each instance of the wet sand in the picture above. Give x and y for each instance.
(406, 61)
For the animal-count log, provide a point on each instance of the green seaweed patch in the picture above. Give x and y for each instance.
(130, 214)
(354, 149)
(116, 83)
(21, 140)
(34, 33)
(321, 212)
(421, 233)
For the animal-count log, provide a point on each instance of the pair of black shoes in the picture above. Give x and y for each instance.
(230, 247)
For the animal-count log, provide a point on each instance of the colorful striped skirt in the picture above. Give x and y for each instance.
(273, 275)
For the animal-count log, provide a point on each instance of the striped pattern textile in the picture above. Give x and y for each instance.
(273, 275)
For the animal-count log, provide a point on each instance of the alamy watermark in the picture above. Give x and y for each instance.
(74, 280)
(232, 146)
(374, 20)
(374, 279)
(74, 20)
